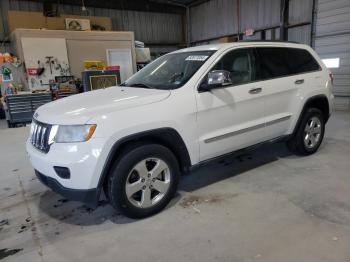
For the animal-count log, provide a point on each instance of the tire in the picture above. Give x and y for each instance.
(313, 125)
(143, 180)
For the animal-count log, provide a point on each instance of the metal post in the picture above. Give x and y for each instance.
(188, 26)
(313, 22)
(284, 20)
(238, 21)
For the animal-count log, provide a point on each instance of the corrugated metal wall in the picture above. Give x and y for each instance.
(300, 34)
(148, 27)
(213, 19)
(259, 14)
(300, 11)
(333, 17)
(217, 18)
(332, 41)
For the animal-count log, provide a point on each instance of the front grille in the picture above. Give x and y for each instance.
(40, 133)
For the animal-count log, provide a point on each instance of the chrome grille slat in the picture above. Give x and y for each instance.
(43, 130)
(40, 135)
(37, 135)
(35, 126)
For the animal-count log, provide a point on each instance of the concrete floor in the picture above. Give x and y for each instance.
(265, 206)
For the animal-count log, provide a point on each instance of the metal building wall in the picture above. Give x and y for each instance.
(259, 14)
(332, 41)
(213, 19)
(300, 34)
(300, 11)
(149, 27)
(217, 18)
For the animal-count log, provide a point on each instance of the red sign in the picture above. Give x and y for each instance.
(32, 71)
(113, 67)
(249, 32)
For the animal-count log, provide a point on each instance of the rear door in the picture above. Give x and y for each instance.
(283, 72)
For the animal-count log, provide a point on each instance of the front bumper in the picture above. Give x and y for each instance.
(84, 161)
(88, 196)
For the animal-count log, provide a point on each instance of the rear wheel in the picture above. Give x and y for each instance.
(309, 134)
(143, 181)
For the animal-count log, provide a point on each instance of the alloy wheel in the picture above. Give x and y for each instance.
(312, 132)
(148, 182)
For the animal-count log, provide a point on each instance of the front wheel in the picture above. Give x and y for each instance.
(309, 134)
(143, 181)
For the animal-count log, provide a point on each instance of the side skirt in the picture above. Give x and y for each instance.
(239, 152)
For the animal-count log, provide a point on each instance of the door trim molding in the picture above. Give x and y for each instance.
(275, 121)
(247, 129)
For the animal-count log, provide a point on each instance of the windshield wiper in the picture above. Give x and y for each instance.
(140, 85)
(123, 84)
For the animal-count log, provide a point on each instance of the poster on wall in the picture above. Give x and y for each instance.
(45, 58)
(6, 78)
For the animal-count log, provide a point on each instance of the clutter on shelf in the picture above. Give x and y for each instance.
(143, 55)
(98, 75)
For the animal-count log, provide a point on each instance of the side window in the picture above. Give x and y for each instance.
(301, 61)
(240, 64)
(273, 63)
(279, 62)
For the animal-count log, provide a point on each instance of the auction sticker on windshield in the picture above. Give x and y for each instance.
(196, 58)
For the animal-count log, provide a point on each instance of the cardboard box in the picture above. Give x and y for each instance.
(36, 20)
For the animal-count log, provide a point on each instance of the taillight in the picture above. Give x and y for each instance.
(331, 77)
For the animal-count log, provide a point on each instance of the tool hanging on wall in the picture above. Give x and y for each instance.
(41, 68)
(57, 64)
(50, 62)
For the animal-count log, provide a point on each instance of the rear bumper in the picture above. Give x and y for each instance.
(88, 196)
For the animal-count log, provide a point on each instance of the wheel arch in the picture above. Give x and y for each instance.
(167, 137)
(320, 102)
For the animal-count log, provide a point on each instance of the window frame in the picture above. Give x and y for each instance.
(253, 63)
(257, 63)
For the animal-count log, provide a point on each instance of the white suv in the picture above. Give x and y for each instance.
(188, 107)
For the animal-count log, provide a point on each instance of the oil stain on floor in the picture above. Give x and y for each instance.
(192, 200)
(8, 252)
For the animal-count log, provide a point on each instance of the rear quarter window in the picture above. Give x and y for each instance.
(279, 62)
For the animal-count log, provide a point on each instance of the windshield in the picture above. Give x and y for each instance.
(169, 71)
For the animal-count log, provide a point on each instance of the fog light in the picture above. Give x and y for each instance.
(62, 172)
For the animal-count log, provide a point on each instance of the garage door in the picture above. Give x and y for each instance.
(332, 43)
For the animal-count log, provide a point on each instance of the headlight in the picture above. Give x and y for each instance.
(71, 134)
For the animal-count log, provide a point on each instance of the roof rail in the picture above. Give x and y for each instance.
(273, 41)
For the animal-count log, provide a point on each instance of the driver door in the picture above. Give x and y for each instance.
(231, 117)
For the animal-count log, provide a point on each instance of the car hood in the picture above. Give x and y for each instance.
(79, 109)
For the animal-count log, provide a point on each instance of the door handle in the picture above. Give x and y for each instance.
(254, 91)
(299, 81)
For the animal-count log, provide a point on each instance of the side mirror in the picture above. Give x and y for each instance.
(216, 79)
